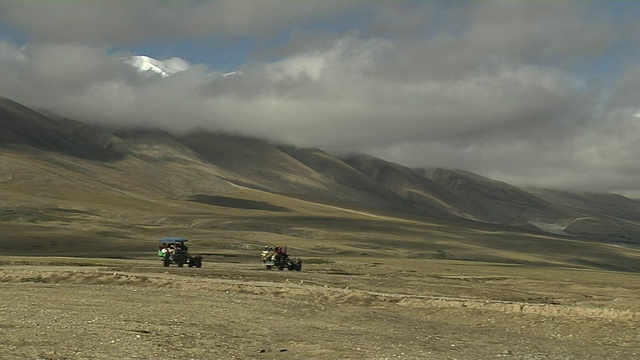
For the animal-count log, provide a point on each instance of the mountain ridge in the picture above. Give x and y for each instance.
(206, 167)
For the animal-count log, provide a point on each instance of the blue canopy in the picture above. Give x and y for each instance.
(171, 240)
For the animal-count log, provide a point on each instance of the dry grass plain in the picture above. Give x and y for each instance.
(350, 308)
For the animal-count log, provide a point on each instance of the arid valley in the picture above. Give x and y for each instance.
(397, 263)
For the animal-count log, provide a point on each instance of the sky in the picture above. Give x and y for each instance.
(542, 93)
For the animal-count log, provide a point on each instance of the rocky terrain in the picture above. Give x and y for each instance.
(349, 309)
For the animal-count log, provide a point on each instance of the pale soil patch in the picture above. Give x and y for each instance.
(351, 309)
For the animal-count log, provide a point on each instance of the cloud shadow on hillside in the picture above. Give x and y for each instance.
(235, 203)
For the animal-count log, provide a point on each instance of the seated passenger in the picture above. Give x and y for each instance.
(164, 252)
(265, 254)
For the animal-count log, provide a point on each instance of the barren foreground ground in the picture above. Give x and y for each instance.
(57, 308)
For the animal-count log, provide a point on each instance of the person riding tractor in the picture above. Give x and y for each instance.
(279, 258)
(174, 250)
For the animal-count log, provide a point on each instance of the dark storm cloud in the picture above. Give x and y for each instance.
(508, 89)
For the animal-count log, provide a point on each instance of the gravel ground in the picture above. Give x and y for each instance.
(339, 311)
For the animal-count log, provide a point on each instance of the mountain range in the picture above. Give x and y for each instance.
(67, 165)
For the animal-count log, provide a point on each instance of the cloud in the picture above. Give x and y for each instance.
(482, 86)
(112, 22)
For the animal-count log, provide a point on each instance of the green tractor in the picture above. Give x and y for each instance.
(174, 250)
(275, 259)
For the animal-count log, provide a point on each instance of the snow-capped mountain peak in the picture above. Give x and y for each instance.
(164, 68)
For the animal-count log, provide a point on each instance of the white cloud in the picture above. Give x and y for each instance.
(491, 89)
(108, 22)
